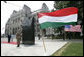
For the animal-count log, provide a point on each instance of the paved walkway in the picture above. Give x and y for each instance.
(33, 50)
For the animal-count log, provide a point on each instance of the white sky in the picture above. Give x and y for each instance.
(7, 9)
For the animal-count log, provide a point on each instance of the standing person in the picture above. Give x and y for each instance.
(39, 36)
(18, 37)
(12, 37)
(69, 36)
(63, 33)
(9, 37)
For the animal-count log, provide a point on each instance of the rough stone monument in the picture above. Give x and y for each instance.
(28, 29)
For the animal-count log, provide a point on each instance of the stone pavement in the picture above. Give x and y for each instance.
(32, 50)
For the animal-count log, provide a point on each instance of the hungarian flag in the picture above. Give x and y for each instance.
(66, 16)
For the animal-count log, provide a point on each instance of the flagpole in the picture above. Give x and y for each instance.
(44, 46)
(65, 35)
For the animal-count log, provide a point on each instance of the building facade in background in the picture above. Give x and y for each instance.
(15, 21)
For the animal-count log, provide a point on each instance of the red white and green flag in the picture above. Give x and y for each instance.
(66, 16)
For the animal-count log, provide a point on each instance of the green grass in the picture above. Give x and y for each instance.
(73, 49)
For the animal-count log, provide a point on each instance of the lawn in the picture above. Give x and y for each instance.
(70, 49)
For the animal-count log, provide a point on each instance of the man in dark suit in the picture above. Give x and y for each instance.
(9, 37)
